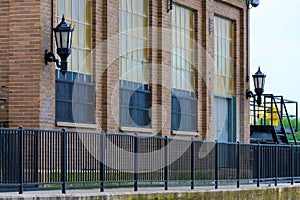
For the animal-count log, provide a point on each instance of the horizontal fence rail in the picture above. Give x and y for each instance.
(47, 160)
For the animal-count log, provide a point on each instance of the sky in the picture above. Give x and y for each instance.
(275, 46)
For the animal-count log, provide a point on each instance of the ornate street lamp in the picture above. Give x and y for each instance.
(63, 36)
(259, 84)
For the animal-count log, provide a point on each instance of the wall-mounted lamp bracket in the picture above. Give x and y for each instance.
(249, 94)
(252, 3)
(50, 57)
(170, 5)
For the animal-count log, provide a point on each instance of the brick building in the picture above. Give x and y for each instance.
(140, 66)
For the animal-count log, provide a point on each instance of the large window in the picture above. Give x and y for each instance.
(78, 13)
(135, 97)
(184, 102)
(223, 56)
(224, 101)
(75, 91)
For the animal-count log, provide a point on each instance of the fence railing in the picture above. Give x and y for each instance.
(40, 160)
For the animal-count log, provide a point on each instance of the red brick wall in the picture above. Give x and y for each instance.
(25, 34)
(23, 63)
(4, 60)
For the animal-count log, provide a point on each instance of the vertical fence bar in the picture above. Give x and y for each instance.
(63, 160)
(36, 155)
(258, 165)
(271, 112)
(276, 164)
(136, 162)
(21, 159)
(265, 117)
(281, 106)
(292, 163)
(296, 117)
(166, 162)
(216, 163)
(102, 166)
(238, 165)
(193, 164)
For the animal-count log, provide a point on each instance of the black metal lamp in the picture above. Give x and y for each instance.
(63, 36)
(259, 83)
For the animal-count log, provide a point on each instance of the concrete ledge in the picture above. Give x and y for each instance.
(136, 130)
(185, 133)
(227, 193)
(77, 125)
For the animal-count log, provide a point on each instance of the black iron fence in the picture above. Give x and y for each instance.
(39, 160)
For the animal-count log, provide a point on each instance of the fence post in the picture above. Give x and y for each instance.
(102, 166)
(276, 164)
(136, 164)
(166, 162)
(193, 164)
(21, 159)
(238, 165)
(292, 164)
(216, 163)
(258, 164)
(64, 160)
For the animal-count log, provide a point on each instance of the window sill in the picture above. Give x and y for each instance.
(77, 125)
(136, 129)
(185, 133)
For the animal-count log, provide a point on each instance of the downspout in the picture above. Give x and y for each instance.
(247, 42)
(52, 19)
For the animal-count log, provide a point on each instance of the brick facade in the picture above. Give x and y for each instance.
(29, 85)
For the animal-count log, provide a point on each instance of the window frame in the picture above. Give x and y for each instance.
(184, 108)
(224, 88)
(75, 91)
(132, 113)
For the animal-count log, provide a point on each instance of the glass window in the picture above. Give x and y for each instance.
(184, 101)
(75, 91)
(223, 54)
(134, 41)
(182, 48)
(78, 14)
(135, 97)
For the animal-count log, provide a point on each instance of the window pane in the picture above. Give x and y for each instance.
(82, 57)
(88, 37)
(145, 6)
(88, 69)
(74, 57)
(75, 10)
(60, 7)
(81, 34)
(68, 7)
(88, 12)
(82, 10)
(135, 44)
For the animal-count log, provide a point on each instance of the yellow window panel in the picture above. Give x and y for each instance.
(88, 37)
(88, 19)
(145, 7)
(88, 63)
